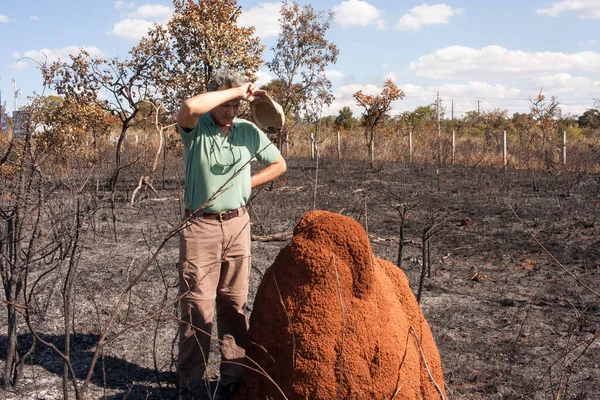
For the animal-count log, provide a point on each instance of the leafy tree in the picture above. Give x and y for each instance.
(495, 122)
(590, 119)
(203, 37)
(300, 57)
(376, 111)
(546, 112)
(170, 64)
(522, 121)
(473, 123)
(328, 121)
(345, 119)
(116, 86)
(423, 117)
(64, 126)
(279, 90)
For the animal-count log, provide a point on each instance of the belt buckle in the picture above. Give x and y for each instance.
(222, 215)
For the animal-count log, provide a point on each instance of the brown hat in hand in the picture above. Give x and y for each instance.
(267, 113)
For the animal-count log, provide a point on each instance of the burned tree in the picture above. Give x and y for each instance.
(376, 111)
(299, 60)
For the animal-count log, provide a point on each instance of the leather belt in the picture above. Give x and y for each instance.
(220, 216)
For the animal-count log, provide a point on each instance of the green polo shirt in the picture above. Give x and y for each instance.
(211, 161)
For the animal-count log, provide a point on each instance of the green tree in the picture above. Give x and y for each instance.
(345, 119)
(423, 116)
(495, 122)
(590, 119)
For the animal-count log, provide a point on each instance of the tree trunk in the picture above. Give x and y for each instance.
(10, 267)
(119, 149)
(401, 242)
(372, 150)
(12, 287)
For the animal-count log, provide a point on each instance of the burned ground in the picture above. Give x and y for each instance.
(509, 321)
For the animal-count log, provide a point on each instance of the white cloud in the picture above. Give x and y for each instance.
(264, 17)
(347, 91)
(391, 75)
(585, 9)
(138, 22)
(466, 97)
(333, 74)
(50, 55)
(494, 96)
(263, 78)
(123, 4)
(152, 12)
(563, 83)
(20, 65)
(480, 89)
(468, 63)
(131, 29)
(344, 98)
(4, 19)
(470, 95)
(34, 18)
(357, 12)
(426, 14)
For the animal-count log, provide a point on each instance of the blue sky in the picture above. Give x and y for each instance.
(497, 52)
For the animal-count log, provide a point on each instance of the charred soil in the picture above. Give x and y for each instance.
(509, 321)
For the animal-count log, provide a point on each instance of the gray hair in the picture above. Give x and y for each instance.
(227, 78)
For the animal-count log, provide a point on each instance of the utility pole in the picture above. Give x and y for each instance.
(452, 110)
(439, 144)
(439, 129)
(16, 92)
(478, 106)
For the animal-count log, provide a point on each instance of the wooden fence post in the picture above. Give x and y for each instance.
(564, 148)
(287, 143)
(504, 149)
(410, 154)
(453, 146)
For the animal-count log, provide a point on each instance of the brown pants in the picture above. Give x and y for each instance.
(214, 264)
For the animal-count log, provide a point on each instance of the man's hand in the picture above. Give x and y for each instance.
(248, 91)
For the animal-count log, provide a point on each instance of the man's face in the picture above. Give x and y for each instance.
(223, 114)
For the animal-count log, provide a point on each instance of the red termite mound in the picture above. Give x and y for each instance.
(332, 321)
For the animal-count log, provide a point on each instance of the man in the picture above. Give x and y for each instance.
(214, 260)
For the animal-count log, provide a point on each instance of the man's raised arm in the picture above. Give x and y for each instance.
(192, 108)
